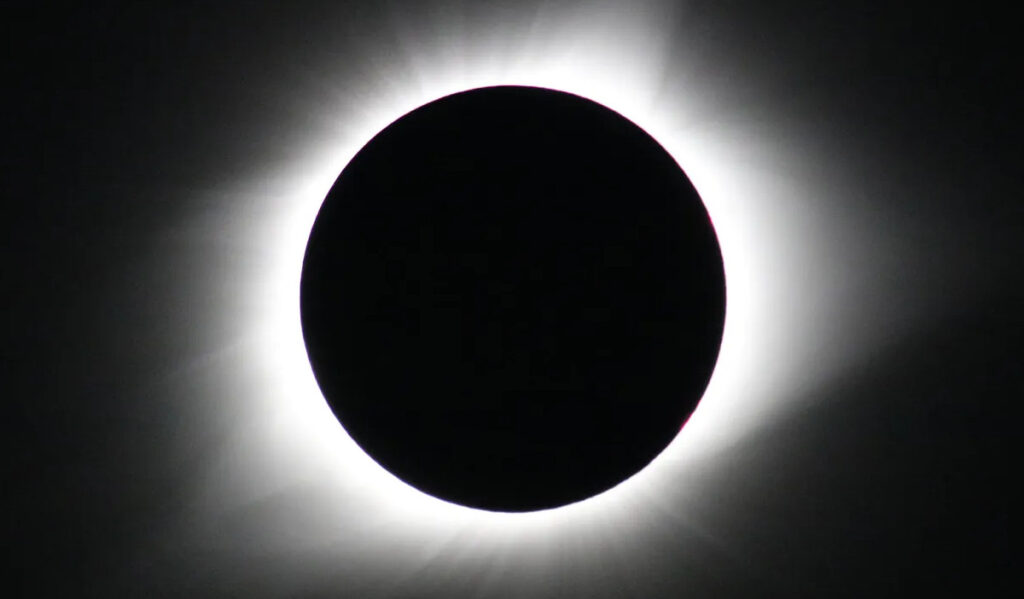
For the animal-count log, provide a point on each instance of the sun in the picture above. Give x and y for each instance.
(617, 58)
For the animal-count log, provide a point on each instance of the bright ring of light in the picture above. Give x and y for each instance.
(619, 71)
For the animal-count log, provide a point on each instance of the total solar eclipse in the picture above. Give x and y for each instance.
(512, 298)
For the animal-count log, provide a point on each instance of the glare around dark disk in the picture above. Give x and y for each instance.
(512, 298)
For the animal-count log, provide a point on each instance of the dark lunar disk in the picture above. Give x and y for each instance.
(512, 298)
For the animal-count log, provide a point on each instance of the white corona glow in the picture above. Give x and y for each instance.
(773, 245)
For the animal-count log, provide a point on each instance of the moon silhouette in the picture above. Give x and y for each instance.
(512, 298)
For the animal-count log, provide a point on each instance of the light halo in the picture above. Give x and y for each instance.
(773, 248)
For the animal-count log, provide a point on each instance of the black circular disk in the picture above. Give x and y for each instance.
(512, 298)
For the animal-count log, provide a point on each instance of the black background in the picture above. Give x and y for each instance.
(114, 113)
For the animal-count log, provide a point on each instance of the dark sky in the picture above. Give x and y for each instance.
(121, 122)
